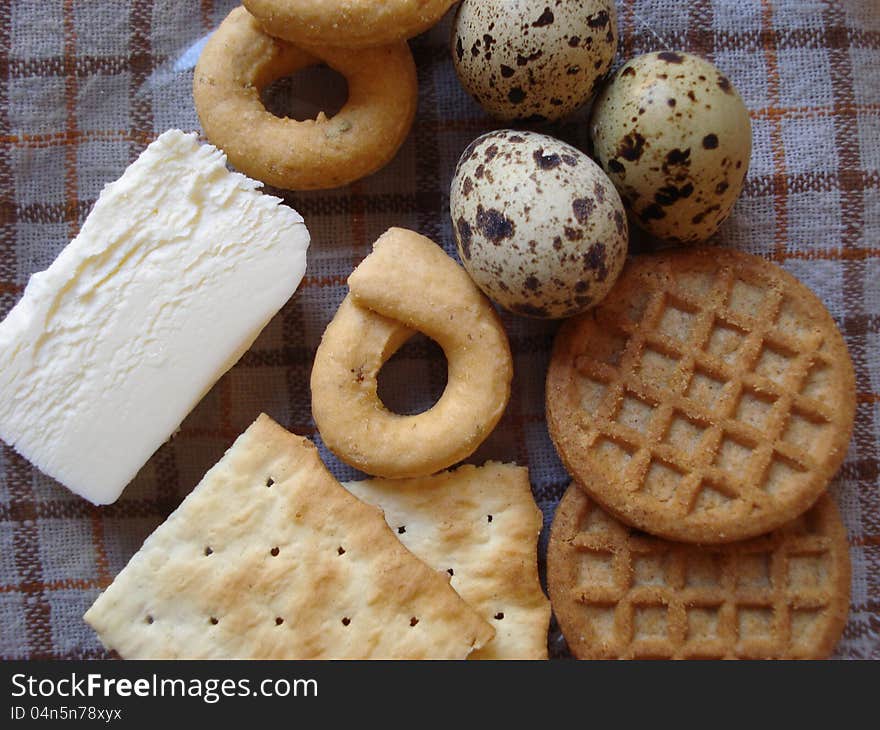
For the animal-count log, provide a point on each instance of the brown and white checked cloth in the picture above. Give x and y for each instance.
(86, 84)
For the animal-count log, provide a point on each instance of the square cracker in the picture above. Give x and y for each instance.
(270, 558)
(481, 525)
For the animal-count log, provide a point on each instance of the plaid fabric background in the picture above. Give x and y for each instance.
(86, 84)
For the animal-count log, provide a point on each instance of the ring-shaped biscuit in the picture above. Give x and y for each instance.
(240, 60)
(347, 23)
(409, 283)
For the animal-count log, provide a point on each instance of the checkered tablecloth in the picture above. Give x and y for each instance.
(86, 84)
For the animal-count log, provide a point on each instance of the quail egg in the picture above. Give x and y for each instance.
(533, 61)
(674, 135)
(539, 226)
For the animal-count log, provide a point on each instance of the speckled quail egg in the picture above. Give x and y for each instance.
(539, 226)
(533, 60)
(675, 137)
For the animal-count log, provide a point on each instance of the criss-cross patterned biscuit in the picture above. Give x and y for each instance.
(621, 594)
(270, 558)
(709, 399)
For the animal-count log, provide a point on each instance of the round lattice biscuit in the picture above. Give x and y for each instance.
(620, 594)
(710, 398)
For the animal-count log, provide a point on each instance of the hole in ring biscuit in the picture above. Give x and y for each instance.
(240, 60)
(414, 377)
(409, 283)
(305, 94)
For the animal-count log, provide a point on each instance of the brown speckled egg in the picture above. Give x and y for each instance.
(533, 61)
(675, 137)
(539, 226)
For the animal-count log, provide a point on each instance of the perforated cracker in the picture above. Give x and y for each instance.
(709, 399)
(480, 525)
(270, 558)
(621, 594)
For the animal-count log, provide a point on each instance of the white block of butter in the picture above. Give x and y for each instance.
(177, 269)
